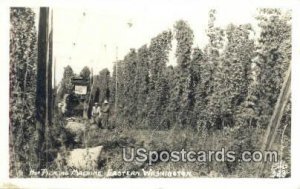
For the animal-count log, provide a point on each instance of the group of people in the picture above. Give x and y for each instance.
(100, 114)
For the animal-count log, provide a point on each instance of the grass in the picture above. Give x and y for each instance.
(114, 140)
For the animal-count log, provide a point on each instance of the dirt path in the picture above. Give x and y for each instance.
(82, 158)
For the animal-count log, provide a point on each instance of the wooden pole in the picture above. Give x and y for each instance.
(54, 72)
(42, 88)
(116, 92)
(54, 95)
(87, 102)
(49, 75)
(271, 132)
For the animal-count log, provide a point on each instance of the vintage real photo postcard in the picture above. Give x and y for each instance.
(172, 91)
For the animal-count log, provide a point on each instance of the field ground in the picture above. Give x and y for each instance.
(114, 140)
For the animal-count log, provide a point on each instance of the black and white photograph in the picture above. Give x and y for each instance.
(150, 91)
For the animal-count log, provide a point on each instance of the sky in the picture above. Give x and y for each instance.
(97, 36)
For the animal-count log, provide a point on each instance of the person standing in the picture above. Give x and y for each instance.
(85, 110)
(96, 113)
(105, 114)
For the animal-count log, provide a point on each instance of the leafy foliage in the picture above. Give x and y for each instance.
(273, 58)
(23, 62)
(102, 81)
(85, 73)
(66, 86)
